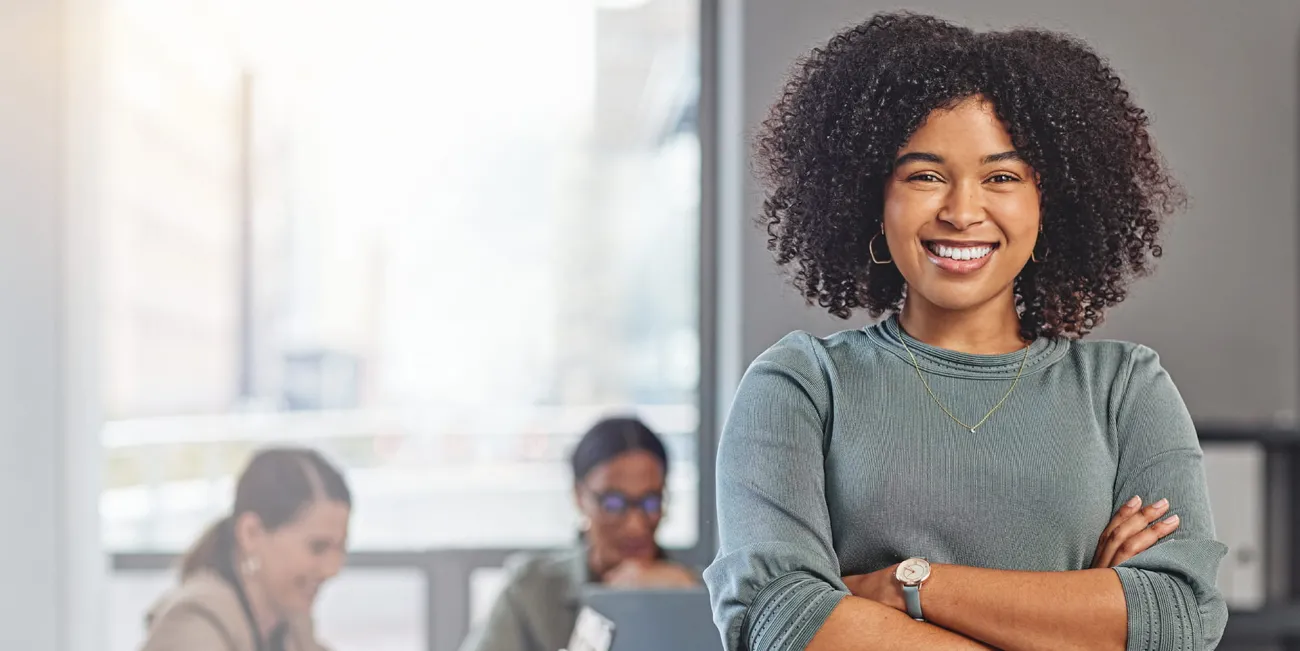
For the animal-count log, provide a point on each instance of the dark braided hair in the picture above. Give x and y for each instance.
(832, 137)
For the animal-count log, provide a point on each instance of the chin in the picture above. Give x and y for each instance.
(639, 552)
(297, 606)
(957, 300)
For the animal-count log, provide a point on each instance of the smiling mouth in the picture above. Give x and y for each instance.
(960, 251)
(960, 257)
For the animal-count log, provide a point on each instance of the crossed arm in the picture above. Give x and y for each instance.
(976, 608)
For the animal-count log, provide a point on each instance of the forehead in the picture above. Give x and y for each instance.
(969, 129)
(633, 473)
(321, 518)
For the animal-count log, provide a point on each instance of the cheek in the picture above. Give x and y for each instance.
(1021, 212)
(1017, 216)
(905, 212)
(605, 531)
(1023, 231)
(289, 566)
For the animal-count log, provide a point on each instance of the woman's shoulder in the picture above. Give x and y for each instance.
(1114, 354)
(208, 602)
(803, 351)
(205, 590)
(531, 571)
(203, 604)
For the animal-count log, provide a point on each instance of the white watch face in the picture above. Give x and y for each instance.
(913, 571)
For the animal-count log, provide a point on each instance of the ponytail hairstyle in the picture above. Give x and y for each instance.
(277, 485)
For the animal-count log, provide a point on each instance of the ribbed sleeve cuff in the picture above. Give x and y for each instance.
(789, 611)
(1162, 611)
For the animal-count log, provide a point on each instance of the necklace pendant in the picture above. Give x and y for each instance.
(972, 430)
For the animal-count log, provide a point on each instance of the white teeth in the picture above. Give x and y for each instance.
(960, 252)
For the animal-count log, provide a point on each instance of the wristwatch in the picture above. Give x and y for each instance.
(912, 573)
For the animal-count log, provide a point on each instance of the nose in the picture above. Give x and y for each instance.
(332, 565)
(638, 523)
(963, 206)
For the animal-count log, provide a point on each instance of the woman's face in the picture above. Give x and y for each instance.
(296, 558)
(623, 500)
(961, 210)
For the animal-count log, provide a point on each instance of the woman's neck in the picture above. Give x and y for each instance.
(259, 603)
(989, 329)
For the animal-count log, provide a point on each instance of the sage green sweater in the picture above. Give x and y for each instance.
(835, 461)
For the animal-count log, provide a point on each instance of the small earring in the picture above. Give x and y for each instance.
(251, 565)
(1033, 253)
(871, 248)
(584, 524)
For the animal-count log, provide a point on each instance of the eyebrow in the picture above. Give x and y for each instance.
(927, 157)
(1003, 157)
(919, 157)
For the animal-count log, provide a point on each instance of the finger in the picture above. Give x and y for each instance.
(1125, 511)
(1131, 526)
(1144, 540)
(1139, 520)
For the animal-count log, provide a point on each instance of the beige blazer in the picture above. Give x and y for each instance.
(204, 614)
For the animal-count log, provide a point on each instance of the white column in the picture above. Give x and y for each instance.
(51, 565)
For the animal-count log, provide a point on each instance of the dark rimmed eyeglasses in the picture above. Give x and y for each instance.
(617, 504)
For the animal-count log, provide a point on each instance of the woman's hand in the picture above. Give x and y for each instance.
(650, 574)
(880, 586)
(1131, 532)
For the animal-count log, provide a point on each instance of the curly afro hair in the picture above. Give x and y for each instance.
(832, 137)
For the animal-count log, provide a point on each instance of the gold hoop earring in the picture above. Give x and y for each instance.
(871, 248)
(1047, 251)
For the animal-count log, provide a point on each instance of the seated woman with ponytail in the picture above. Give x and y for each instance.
(249, 582)
(620, 469)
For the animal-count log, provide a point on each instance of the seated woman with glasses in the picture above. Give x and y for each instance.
(620, 469)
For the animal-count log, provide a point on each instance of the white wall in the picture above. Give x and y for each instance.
(50, 565)
(1220, 80)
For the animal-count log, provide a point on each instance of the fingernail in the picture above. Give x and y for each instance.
(1161, 504)
(1135, 502)
(1173, 519)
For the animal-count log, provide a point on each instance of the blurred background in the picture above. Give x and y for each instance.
(436, 240)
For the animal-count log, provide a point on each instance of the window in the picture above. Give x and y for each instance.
(435, 240)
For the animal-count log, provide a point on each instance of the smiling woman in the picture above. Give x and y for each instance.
(966, 474)
(961, 200)
(250, 581)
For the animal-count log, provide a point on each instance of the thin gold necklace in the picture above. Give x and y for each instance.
(972, 428)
